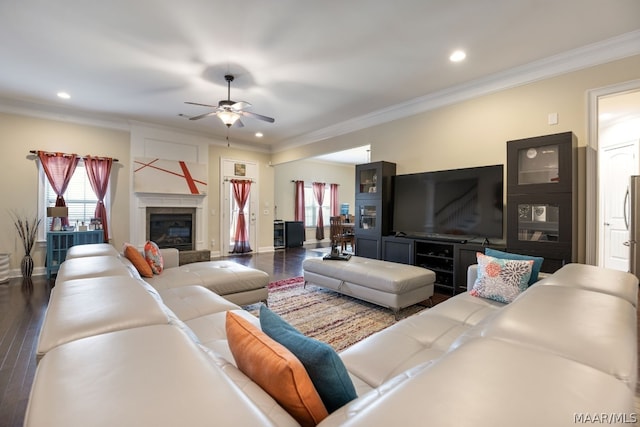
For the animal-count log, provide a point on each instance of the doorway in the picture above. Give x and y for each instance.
(230, 209)
(616, 114)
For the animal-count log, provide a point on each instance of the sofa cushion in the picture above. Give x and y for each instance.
(147, 376)
(324, 366)
(490, 382)
(537, 261)
(275, 369)
(113, 303)
(91, 249)
(501, 279)
(153, 257)
(136, 258)
(96, 266)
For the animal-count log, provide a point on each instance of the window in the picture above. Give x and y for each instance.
(311, 206)
(79, 198)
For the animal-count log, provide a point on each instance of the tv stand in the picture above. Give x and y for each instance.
(447, 238)
(449, 259)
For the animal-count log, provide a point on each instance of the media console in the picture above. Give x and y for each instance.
(449, 259)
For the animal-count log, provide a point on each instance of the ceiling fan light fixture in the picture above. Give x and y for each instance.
(458, 56)
(228, 117)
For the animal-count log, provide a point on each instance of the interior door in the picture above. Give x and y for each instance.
(231, 211)
(233, 169)
(618, 163)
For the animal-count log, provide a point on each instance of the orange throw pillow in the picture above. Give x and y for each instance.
(137, 260)
(275, 369)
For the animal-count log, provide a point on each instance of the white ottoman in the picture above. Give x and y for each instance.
(385, 283)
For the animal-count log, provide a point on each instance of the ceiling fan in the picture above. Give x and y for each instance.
(229, 111)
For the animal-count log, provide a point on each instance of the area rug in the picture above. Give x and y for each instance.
(328, 316)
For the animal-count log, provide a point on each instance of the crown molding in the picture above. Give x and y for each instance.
(612, 49)
(61, 114)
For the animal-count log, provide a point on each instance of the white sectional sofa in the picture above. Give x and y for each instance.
(115, 351)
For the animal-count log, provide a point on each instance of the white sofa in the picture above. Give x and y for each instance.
(565, 349)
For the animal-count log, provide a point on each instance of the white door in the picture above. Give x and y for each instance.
(230, 169)
(618, 163)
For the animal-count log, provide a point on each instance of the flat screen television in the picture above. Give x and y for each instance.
(460, 203)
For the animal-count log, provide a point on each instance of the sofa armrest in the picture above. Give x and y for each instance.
(170, 256)
(472, 275)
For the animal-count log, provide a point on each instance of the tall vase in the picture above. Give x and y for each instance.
(26, 266)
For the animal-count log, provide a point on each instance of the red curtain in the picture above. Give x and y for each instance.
(318, 192)
(99, 171)
(241, 190)
(299, 202)
(59, 169)
(333, 193)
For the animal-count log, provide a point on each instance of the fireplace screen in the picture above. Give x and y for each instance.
(171, 227)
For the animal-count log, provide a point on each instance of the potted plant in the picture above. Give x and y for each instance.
(27, 228)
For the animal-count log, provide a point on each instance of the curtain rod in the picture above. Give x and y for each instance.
(299, 180)
(239, 179)
(80, 157)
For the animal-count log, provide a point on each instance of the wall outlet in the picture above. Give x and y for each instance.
(213, 243)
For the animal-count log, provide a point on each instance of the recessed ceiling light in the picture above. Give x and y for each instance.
(457, 56)
(64, 95)
(259, 135)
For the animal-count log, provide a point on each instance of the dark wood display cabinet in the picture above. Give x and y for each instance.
(542, 198)
(374, 207)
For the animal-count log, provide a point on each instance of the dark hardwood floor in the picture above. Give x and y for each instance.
(22, 308)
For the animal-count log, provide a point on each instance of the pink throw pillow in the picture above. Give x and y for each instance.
(153, 257)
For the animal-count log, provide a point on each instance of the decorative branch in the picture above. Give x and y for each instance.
(27, 228)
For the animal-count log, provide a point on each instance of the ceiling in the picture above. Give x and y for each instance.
(319, 68)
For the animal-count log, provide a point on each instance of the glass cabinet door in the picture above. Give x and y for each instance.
(538, 222)
(541, 165)
(367, 219)
(367, 181)
(538, 165)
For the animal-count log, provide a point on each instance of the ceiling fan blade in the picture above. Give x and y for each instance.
(202, 116)
(240, 105)
(201, 105)
(257, 116)
(239, 124)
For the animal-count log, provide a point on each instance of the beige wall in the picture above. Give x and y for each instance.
(19, 173)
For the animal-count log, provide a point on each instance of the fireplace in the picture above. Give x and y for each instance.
(172, 227)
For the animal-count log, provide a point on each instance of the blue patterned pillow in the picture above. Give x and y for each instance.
(325, 368)
(501, 280)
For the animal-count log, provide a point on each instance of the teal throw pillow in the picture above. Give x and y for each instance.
(325, 368)
(537, 261)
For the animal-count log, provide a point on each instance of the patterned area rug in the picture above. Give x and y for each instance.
(328, 316)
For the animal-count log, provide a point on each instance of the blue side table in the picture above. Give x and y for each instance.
(58, 242)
